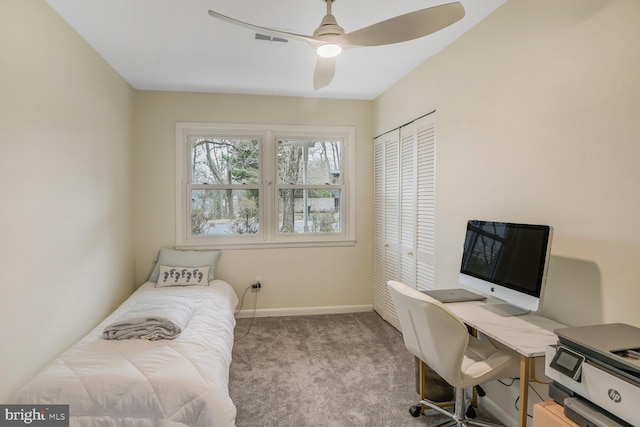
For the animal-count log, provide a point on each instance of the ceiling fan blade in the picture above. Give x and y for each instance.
(325, 70)
(264, 30)
(406, 27)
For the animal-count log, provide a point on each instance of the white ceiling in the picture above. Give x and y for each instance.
(175, 45)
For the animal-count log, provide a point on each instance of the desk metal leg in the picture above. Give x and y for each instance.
(423, 394)
(525, 367)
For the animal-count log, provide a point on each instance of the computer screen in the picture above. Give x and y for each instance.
(507, 260)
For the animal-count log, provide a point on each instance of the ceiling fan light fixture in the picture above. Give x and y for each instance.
(330, 39)
(329, 50)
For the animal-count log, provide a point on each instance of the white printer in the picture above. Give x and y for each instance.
(596, 374)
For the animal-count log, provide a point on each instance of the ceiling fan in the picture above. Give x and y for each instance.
(330, 39)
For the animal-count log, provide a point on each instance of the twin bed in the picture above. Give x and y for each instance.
(169, 377)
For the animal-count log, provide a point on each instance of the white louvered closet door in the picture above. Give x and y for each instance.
(386, 224)
(404, 211)
(426, 202)
(408, 206)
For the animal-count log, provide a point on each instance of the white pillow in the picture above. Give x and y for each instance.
(175, 258)
(183, 276)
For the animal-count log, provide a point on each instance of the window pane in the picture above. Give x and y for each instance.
(224, 212)
(309, 211)
(309, 162)
(217, 160)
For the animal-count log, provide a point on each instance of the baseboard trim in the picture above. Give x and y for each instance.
(304, 311)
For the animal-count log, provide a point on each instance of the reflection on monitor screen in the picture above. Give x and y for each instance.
(508, 261)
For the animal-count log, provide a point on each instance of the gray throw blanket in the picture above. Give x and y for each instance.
(152, 319)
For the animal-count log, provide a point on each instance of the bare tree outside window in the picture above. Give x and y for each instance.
(220, 169)
(309, 186)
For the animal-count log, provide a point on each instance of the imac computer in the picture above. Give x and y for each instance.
(508, 261)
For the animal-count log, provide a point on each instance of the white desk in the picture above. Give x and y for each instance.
(527, 334)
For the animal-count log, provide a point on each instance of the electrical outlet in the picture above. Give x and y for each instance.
(256, 286)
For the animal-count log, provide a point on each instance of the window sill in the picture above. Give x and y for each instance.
(266, 245)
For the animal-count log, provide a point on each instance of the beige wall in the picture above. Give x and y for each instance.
(538, 121)
(291, 278)
(65, 216)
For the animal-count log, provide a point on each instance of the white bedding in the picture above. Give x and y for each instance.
(140, 383)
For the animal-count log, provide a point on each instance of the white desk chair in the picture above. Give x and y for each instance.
(439, 338)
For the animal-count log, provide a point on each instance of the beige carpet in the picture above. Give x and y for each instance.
(325, 371)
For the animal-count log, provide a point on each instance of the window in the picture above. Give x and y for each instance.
(309, 186)
(224, 188)
(262, 186)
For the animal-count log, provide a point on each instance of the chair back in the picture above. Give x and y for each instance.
(430, 331)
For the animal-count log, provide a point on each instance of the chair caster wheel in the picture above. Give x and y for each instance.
(415, 410)
(471, 412)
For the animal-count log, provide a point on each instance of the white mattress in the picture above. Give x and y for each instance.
(180, 382)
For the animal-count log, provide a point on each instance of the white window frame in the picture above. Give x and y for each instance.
(269, 235)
